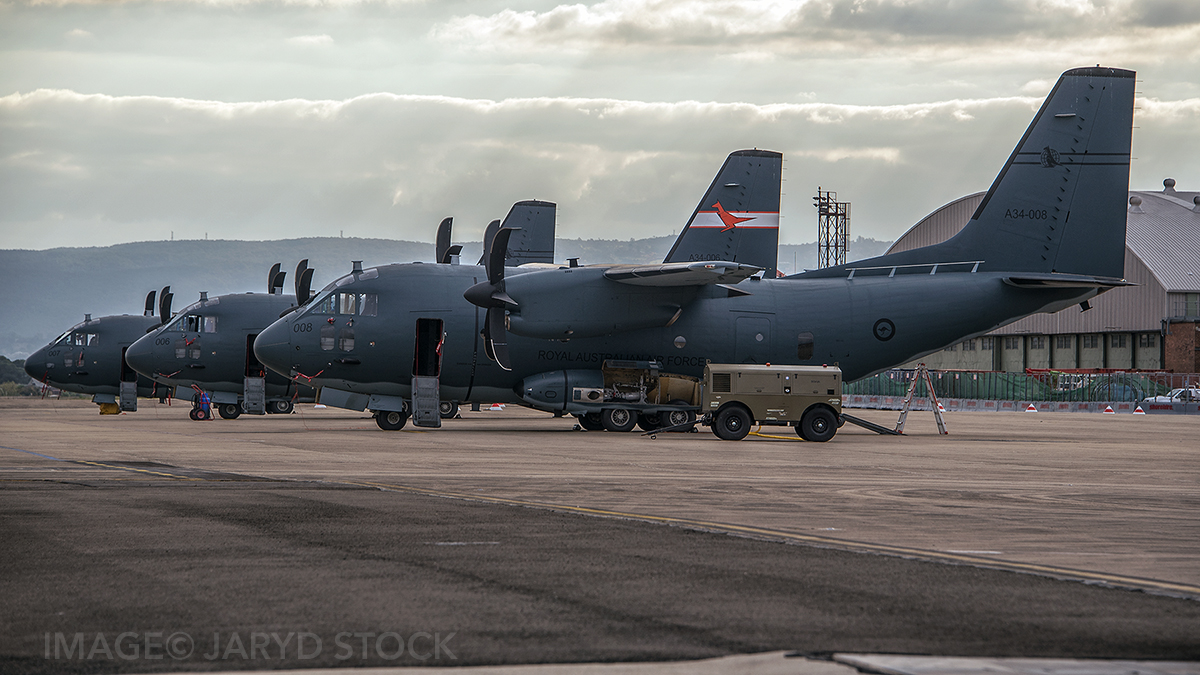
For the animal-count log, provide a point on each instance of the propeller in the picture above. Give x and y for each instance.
(164, 304)
(278, 283)
(489, 233)
(149, 311)
(271, 278)
(303, 282)
(491, 296)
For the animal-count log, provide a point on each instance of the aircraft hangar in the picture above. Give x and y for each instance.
(1151, 326)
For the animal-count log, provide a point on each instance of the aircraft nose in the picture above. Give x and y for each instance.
(273, 347)
(35, 364)
(140, 355)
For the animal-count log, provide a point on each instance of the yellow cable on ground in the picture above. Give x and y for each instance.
(785, 438)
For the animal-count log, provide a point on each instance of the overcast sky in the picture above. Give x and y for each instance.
(249, 119)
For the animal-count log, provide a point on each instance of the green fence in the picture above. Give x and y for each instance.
(1048, 386)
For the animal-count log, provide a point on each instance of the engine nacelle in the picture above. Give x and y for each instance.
(555, 390)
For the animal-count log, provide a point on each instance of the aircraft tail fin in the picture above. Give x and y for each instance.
(533, 240)
(738, 218)
(1058, 205)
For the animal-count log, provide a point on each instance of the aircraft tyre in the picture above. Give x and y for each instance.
(391, 420)
(818, 424)
(590, 421)
(648, 422)
(280, 407)
(447, 410)
(618, 419)
(229, 411)
(732, 423)
(676, 417)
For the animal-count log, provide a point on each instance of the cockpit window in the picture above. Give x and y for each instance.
(80, 339)
(193, 323)
(344, 303)
(62, 339)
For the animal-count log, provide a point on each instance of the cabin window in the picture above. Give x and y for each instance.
(68, 360)
(347, 303)
(191, 323)
(193, 351)
(804, 346)
(368, 304)
(327, 336)
(180, 349)
(210, 324)
(346, 340)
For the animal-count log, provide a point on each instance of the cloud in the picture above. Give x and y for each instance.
(311, 40)
(78, 33)
(90, 169)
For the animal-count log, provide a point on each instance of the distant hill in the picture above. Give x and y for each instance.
(47, 292)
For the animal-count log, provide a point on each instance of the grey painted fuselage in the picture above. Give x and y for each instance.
(87, 358)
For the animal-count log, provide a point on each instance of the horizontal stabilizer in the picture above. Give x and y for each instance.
(1065, 281)
(682, 274)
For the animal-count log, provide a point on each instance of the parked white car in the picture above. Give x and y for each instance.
(1181, 395)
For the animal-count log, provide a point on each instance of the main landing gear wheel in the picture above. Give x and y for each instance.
(391, 420)
(280, 407)
(732, 423)
(649, 422)
(618, 419)
(447, 410)
(229, 411)
(818, 425)
(590, 421)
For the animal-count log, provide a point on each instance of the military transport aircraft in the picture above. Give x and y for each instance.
(422, 317)
(90, 357)
(207, 347)
(1048, 235)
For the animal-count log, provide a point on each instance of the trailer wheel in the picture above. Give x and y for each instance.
(819, 424)
(677, 417)
(649, 422)
(618, 419)
(447, 409)
(229, 411)
(732, 423)
(391, 420)
(590, 421)
(192, 413)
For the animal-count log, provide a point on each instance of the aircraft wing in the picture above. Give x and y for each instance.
(682, 274)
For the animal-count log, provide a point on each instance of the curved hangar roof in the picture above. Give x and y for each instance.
(1162, 231)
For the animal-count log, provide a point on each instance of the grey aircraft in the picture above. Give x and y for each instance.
(208, 347)
(90, 358)
(423, 324)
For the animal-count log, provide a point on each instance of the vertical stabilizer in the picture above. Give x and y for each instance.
(738, 218)
(533, 240)
(1058, 205)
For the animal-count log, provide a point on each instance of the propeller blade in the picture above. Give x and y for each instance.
(271, 278)
(489, 233)
(149, 311)
(497, 252)
(303, 265)
(443, 241)
(453, 251)
(164, 304)
(279, 279)
(497, 338)
(304, 288)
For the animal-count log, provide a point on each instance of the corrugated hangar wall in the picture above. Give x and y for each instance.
(1125, 327)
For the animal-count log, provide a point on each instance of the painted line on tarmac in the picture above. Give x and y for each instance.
(30, 452)
(1063, 573)
(101, 464)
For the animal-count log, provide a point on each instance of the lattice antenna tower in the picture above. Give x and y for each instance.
(833, 229)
